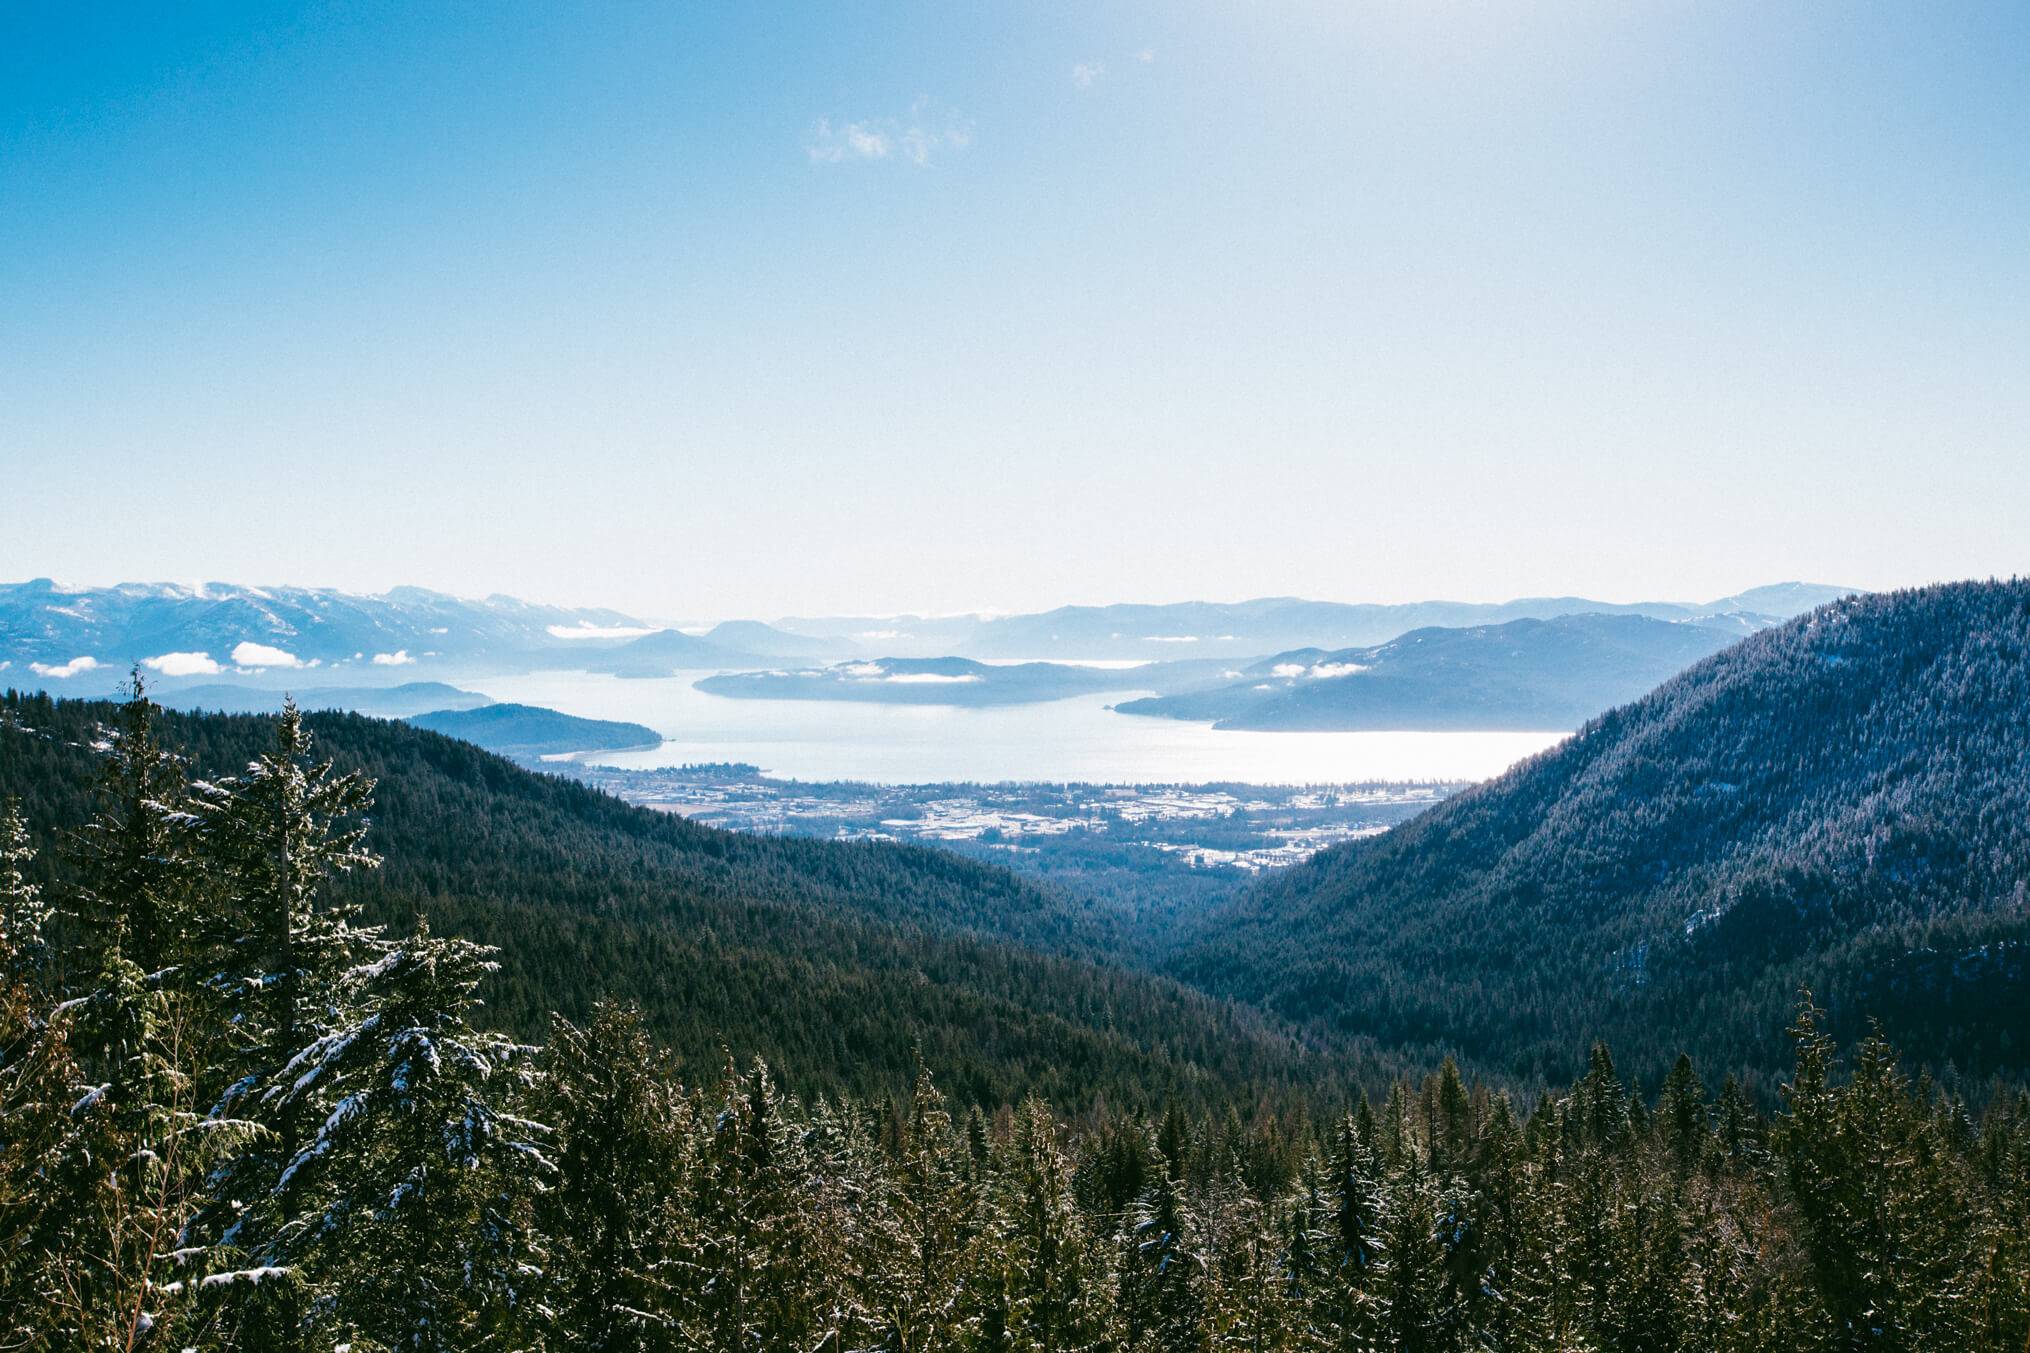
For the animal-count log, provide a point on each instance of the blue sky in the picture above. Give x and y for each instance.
(714, 310)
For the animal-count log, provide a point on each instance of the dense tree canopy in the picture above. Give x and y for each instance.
(1842, 801)
(839, 961)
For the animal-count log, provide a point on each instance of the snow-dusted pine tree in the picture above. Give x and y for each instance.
(24, 915)
(135, 872)
(620, 1122)
(413, 1200)
(275, 953)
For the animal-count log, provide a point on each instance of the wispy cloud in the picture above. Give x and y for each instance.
(1086, 74)
(930, 130)
(854, 141)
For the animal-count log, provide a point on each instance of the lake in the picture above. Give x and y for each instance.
(1078, 739)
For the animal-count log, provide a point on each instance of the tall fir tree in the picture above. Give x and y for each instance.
(135, 872)
(277, 951)
(24, 914)
(612, 1100)
(413, 1200)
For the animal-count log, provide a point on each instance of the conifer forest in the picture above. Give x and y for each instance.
(235, 1113)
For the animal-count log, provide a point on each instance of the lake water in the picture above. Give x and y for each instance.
(1078, 739)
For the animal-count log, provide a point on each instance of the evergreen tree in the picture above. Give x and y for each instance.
(24, 916)
(133, 861)
(412, 1202)
(609, 1214)
(1418, 1313)
(1052, 1288)
(1349, 1303)
(1681, 1115)
(934, 1226)
(1451, 1127)
(278, 951)
(47, 1170)
(119, 1170)
(273, 836)
(1160, 1292)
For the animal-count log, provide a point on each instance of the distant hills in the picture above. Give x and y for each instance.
(1524, 674)
(667, 652)
(753, 637)
(527, 731)
(1842, 801)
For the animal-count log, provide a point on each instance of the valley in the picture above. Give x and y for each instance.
(1152, 855)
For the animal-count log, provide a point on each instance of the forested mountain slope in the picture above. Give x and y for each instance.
(831, 958)
(1842, 801)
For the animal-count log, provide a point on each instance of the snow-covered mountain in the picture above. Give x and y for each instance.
(80, 640)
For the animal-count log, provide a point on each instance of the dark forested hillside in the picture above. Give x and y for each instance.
(833, 958)
(1844, 801)
(528, 731)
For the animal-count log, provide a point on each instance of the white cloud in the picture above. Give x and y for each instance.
(929, 679)
(183, 664)
(1325, 671)
(1145, 57)
(864, 669)
(854, 141)
(929, 130)
(600, 631)
(399, 658)
(1085, 72)
(62, 671)
(260, 655)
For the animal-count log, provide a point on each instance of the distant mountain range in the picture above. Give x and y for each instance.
(1841, 802)
(82, 640)
(1248, 628)
(1524, 674)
